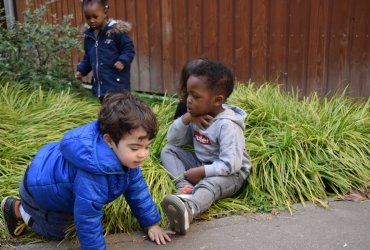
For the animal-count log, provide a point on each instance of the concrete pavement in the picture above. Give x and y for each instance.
(345, 225)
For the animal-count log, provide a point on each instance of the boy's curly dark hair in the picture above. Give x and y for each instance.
(121, 112)
(219, 76)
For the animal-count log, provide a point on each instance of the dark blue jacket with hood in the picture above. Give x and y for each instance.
(79, 175)
(102, 52)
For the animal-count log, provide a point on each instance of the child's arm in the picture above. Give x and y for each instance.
(179, 133)
(127, 50)
(84, 67)
(232, 148)
(90, 197)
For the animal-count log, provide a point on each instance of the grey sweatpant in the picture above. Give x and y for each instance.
(210, 189)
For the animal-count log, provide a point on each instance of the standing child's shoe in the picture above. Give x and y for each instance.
(178, 213)
(14, 225)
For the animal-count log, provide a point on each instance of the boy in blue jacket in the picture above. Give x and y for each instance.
(92, 165)
(219, 165)
(108, 49)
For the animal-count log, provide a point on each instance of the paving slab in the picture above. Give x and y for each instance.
(345, 225)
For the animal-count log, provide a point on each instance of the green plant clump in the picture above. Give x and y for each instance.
(301, 149)
(304, 149)
(37, 52)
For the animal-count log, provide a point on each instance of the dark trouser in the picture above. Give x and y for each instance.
(49, 224)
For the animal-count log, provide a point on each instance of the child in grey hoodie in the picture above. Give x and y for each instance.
(219, 165)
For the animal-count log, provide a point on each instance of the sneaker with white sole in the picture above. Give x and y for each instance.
(178, 213)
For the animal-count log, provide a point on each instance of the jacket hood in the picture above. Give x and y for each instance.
(86, 149)
(112, 27)
(233, 113)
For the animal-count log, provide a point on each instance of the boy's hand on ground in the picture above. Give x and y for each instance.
(119, 66)
(194, 175)
(78, 75)
(157, 234)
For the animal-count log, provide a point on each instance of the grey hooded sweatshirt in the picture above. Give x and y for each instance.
(221, 146)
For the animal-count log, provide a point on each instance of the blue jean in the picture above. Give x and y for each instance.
(49, 224)
(210, 189)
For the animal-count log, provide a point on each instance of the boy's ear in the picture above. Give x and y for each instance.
(219, 100)
(108, 140)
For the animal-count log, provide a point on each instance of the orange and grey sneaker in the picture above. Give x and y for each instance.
(15, 226)
(184, 188)
(178, 213)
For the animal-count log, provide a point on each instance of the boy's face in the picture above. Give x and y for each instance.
(132, 149)
(95, 15)
(201, 99)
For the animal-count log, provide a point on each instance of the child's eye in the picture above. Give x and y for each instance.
(134, 149)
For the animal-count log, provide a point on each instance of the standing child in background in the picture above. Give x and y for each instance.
(108, 50)
(219, 166)
(72, 180)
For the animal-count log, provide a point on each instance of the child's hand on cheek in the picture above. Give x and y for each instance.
(201, 121)
(119, 66)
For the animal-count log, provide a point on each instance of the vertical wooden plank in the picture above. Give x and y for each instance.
(112, 11)
(180, 39)
(155, 45)
(167, 48)
(259, 40)
(360, 50)
(143, 44)
(277, 68)
(317, 47)
(298, 36)
(210, 29)
(194, 12)
(132, 18)
(226, 32)
(338, 74)
(20, 6)
(242, 50)
(121, 9)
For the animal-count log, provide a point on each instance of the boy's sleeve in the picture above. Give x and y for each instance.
(232, 146)
(141, 202)
(85, 65)
(179, 134)
(90, 197)
(127, 49)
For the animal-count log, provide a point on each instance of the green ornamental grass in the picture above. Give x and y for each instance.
(301, 149)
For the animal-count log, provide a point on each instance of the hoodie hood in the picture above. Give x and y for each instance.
(86, 149)
(233, 113)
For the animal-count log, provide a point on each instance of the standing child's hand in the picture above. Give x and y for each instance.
(157, 234)
(78, 75)
(119, 66)
(194, 175)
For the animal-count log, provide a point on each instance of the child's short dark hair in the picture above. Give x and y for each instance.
(121, 112)
(103, 3)
(219, 77)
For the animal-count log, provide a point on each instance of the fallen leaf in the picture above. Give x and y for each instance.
(356, 196)
(274, 211)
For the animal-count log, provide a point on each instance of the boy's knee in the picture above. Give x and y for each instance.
(168, 150)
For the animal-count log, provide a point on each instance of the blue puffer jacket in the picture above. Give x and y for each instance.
(80, 175)
(102, 52)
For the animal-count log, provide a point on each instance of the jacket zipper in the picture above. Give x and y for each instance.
(97, 65)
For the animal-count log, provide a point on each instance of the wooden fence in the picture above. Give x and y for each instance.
(312, 45)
